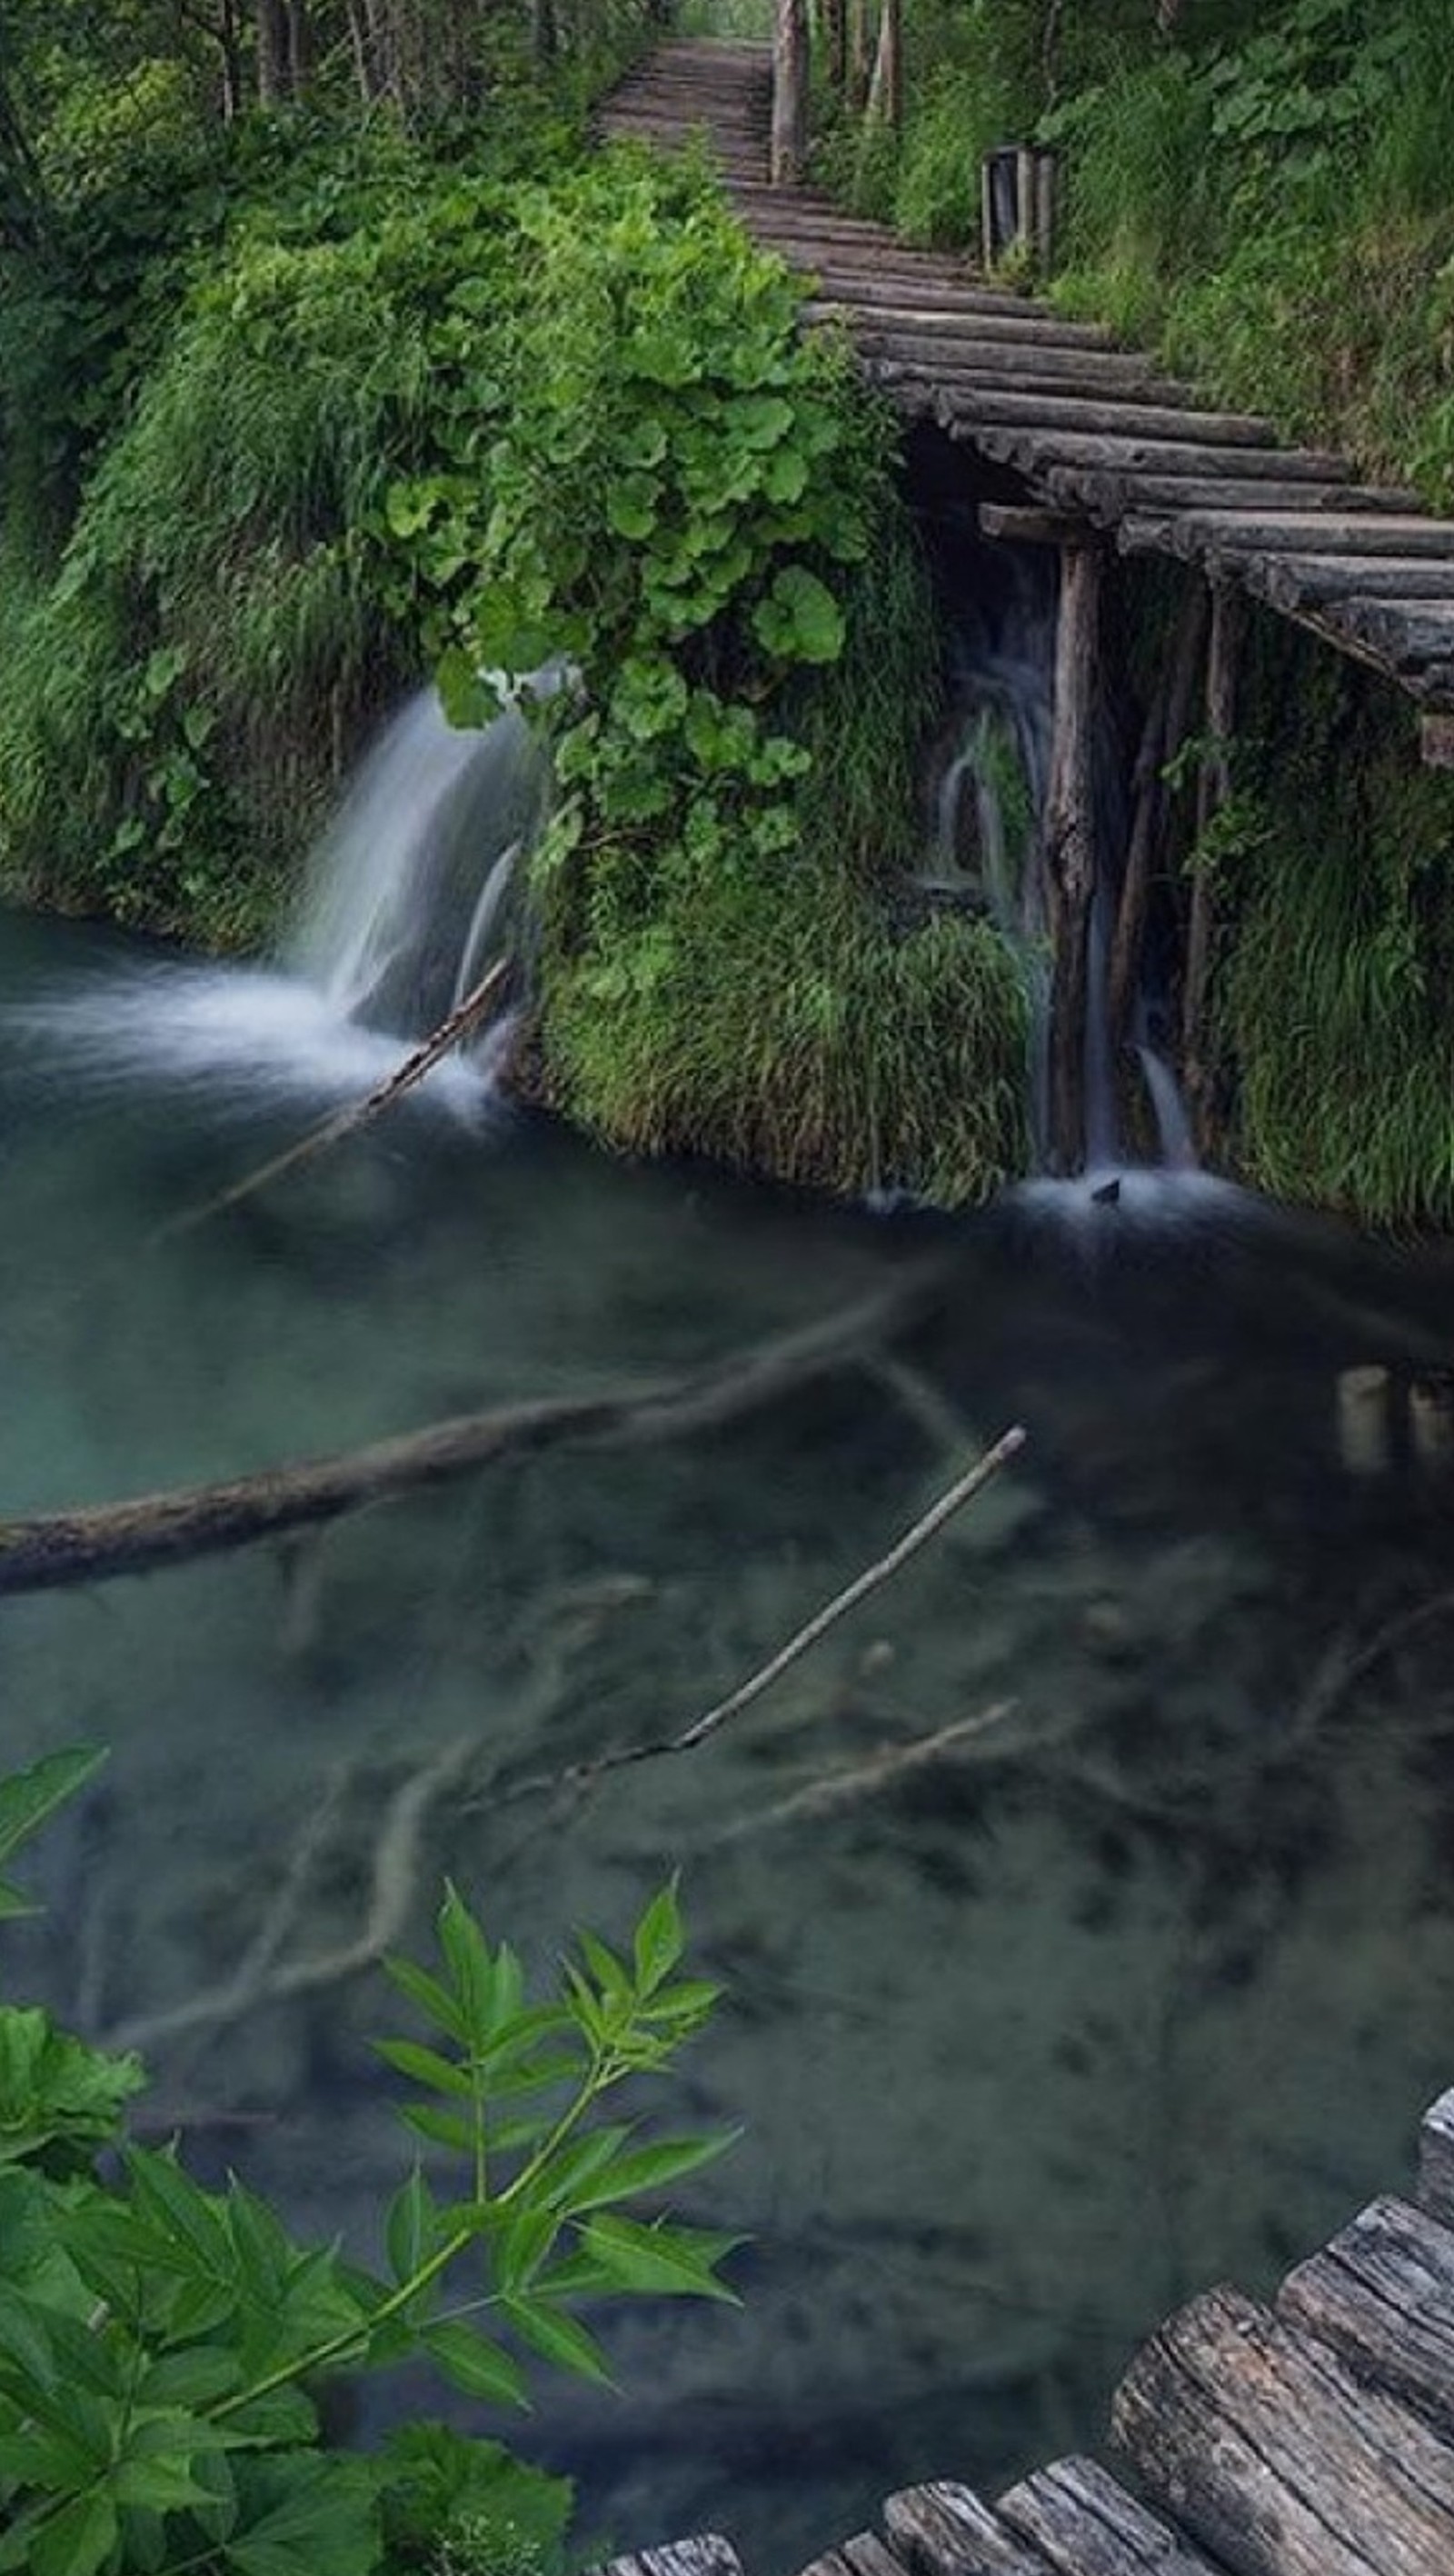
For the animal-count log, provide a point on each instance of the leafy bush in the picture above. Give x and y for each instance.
(161, 2345)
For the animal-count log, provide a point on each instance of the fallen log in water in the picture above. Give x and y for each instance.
(95, 1544)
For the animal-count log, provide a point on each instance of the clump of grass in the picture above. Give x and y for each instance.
(1336, 1002)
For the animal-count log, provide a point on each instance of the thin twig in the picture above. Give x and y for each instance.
(962, 1491)
(463, 1019)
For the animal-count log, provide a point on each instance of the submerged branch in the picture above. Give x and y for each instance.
(463, 1020)
(581, 1775)
(96, 1544)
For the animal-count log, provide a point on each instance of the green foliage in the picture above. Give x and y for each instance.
(160, 2345)
(691, 502)
(1334, 999)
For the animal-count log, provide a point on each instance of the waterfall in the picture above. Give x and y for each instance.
(409, 881)
(988, 800)
(407, 897)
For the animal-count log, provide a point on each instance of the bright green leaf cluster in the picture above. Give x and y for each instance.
(161, 2345)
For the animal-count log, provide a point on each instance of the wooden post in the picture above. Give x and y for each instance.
(790, 94)
(1214, 787)
(1070, 850)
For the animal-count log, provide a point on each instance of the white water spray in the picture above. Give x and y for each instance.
(408, 899)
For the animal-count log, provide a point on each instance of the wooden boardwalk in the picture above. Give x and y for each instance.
(1312, 2438)
(1094, 431)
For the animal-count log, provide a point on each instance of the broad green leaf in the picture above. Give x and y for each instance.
(559, 2339)
(650, 2168)
(442, 2128)
(433, 2000)
(467, 1956)
(424, 2066)
(77, 2540)
(191, 2218)
(671, 2262)
(577, 2164)
(28, 1797)
(194, 2378)
(799, 620)
(481, 2369)
(411, 2228)
(658, 1940)
(162, 2485)
(304, 2516)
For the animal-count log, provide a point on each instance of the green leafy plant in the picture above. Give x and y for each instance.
(161, 2345)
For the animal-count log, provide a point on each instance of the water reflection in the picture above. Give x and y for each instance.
(1141, 1985)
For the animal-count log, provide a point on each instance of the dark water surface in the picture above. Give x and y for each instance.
(1140, 1986)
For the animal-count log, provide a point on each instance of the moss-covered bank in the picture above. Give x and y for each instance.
(398, 417)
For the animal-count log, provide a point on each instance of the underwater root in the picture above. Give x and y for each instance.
(100, 1542)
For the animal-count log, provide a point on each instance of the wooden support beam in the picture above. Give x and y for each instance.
(1069, 846)
(1012, 524)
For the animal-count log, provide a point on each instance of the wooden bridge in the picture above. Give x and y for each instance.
(1093, 449)
(1096, 432)
(1312, 2438)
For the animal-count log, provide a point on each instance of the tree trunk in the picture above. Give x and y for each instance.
(1070, 851)
(790, 94)
(273, 68)
(886, 89)
(835, 44)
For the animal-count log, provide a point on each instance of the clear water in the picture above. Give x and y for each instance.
(1143, 1987)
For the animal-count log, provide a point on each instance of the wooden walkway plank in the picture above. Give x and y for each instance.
(1381, 2296)
(944, 2530)
(707, 2555)
(864, 2555)
(1272, 2455)
(1436, 2159)
(1085, 2524)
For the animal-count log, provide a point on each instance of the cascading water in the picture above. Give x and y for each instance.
(988, 810)
(407, 900)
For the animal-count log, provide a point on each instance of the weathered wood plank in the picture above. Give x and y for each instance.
(864, 2555)
(1085, 2524)
(1039, 453)
(1382, 2296)
(1403, 637)
(1235, 534)
(1044, 413)
(1436, 2159)
(958, 355)
(944, 2530)
(1291, 582)
(939, 299)
(1272, 2456)
(1112, 496)
(707, 2555)
(1013, 524)
(984, 323)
